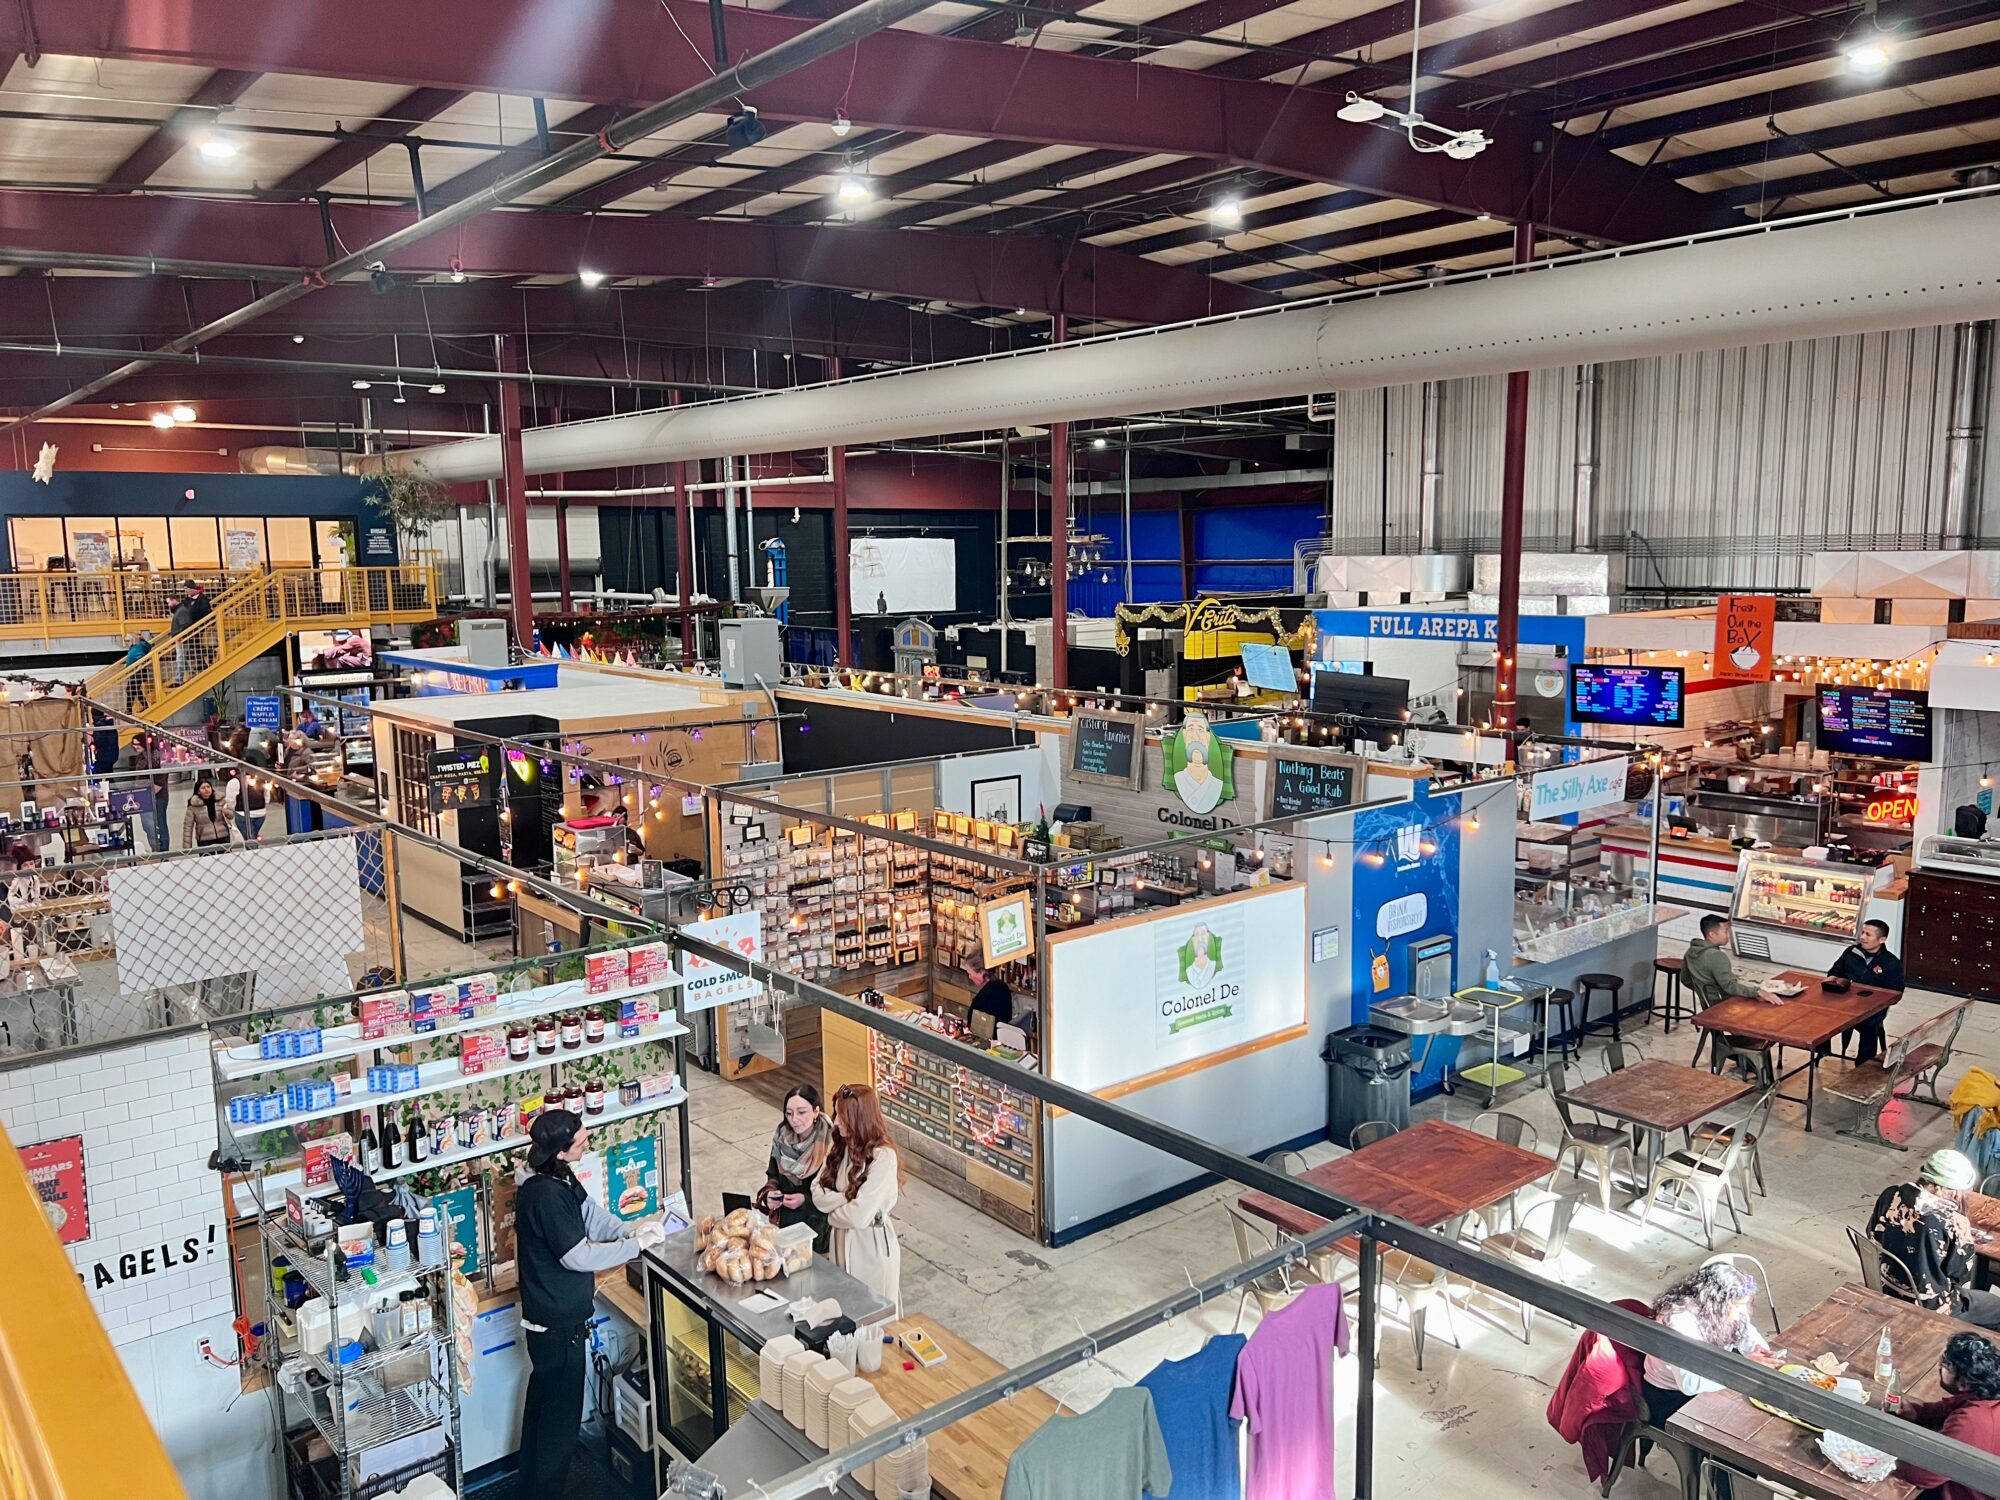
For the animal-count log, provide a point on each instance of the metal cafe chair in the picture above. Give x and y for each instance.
(1749, 1265)
(1368, 1132)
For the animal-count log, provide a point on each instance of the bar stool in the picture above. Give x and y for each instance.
(1588, 985)
(1676, 1007)
(1560, 1022)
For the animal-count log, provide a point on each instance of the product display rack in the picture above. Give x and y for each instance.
(368, 1410)
(1797, 911)
(964, 1131)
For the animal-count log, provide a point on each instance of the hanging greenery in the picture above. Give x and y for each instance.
(413, 502)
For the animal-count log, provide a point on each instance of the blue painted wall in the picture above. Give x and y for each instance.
(1238, 549)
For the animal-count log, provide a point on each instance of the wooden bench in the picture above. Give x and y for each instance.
(1918, 1057)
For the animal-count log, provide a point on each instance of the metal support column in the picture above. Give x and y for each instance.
(1430, 498)
(1006, 530)
(514, 476)
(1364, 1363)
(1128, 525)
(1059, 537)
(562, 554)
(843, 597)
(1965, 440)
(1583, 497)
(683, 550)
(1513, 484)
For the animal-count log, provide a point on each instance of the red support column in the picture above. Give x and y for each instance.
(1513, 486)
(514, 477)
(843, 601)
(1059, 535)
(683, 549)
(562, 553)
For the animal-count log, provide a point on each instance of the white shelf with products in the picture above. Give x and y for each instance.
(275, 1184)
(444, 1073)
(233, 1064)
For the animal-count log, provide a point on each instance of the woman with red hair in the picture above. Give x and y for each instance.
(858, 1188)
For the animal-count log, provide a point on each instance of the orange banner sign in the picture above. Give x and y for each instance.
(1745, 627)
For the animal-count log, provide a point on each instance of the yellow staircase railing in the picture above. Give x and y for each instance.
(71, 1426)
(49, 607)
(249, 618)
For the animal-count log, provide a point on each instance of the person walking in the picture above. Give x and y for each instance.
(149, 754)
(858, 1189)
(206, 825)
(192, 608)
(141, 647)
(563, 1238)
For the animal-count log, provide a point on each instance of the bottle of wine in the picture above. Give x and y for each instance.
(368, 1155)
(392, 1145)
(418, 1141)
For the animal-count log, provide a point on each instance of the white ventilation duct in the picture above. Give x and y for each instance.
(1928, 263)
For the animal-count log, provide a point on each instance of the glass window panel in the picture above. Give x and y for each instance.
(197, 543)
(91, 548)
(291, 542)
(34, 540)
(142, 543)
(243, 542)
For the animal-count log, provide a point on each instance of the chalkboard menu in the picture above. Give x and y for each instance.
(1299, 788)
(1106, 747)
(460, 778)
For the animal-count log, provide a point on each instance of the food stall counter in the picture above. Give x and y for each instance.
(969, 1458)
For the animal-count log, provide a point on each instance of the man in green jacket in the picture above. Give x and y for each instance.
(1707, 966)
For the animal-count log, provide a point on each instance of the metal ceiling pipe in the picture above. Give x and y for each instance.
(719, 92)
(1857, 272)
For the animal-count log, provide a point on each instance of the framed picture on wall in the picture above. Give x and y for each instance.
(997, 799)
(1006, 928)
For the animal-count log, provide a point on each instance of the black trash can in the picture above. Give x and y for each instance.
(1367, 1078)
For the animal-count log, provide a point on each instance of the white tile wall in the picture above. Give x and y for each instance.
(147, 1117)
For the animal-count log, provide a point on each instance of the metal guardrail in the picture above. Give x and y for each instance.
(58, 604)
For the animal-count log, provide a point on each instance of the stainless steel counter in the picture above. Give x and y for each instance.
(675, 1256)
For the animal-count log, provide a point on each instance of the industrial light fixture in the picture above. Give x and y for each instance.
(1099, 443)
(1226, 211)
(298, 338)
(1423, 135)
(743, 129)
(841, 124)
(217, 147)
(437, 389)
(852, 190)
(457, 269)
(163, 420)
(364, 385)
(183, 412)
(1868, 48)
(590, 278)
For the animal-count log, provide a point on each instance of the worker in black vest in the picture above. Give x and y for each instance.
(564, 1238)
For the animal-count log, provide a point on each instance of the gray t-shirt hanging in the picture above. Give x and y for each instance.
(1114, 1451)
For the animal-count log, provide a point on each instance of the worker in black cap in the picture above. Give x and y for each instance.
(564, 1238)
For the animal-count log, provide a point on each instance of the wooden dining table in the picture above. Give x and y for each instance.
(1426, 1175)
(1658, 1097)
(1808, 1020)
(1725, 1425)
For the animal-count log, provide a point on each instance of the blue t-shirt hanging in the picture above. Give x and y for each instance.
(1191, 1397)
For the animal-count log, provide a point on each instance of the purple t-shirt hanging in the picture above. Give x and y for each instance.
(1284, 1387)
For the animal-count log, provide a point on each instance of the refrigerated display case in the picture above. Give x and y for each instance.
(1792, 910)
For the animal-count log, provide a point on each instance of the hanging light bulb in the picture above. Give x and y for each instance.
(853, 190)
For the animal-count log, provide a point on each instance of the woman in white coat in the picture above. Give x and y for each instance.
(858, 1189)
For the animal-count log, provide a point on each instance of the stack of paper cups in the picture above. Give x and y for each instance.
(820, 1381)
(794, 1385)
(771, 1369)
(871, 1416)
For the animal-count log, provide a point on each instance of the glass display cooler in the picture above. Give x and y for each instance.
(1796, 911)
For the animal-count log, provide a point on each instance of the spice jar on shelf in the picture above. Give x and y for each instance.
(545, 1036)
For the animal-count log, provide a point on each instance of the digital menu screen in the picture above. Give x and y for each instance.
(1890, 722)
(1648, 697)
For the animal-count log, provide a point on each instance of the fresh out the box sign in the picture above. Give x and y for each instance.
(137, 1265)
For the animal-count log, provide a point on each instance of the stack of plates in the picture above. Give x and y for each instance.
(842, 1402)
(907, 1471)
(794, 1385)
(821, 1378)
(771, 1368)
(871, 1416)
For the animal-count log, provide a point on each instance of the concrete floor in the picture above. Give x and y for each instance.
(1468, 1411)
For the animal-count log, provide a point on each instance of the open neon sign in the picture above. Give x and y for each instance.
(1901, 808)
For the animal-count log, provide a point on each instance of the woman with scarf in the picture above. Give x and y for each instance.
(798, 1151)
(207, 822)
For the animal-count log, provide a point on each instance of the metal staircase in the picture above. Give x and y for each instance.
(252, 615)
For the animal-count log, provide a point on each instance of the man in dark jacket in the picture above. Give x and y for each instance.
(192, 609)
(1869, 962)
(1970, 1411)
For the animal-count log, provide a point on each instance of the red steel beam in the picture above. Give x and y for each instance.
(1343, 39)
(899, 79)
(220, 88)
(843, 592)
(1888, 169)
(1886, 127)
(412, 110)
(1059, 537)
(979, 270)
(1513, 505)
(514, 498)
(502, 164)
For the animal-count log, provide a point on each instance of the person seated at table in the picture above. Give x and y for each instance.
(1706, 966)
(1926, 1226)
(1713, 1306)
(1869, 962)
(1969, 1371)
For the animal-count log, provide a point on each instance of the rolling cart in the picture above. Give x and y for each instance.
(1492, 1075)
